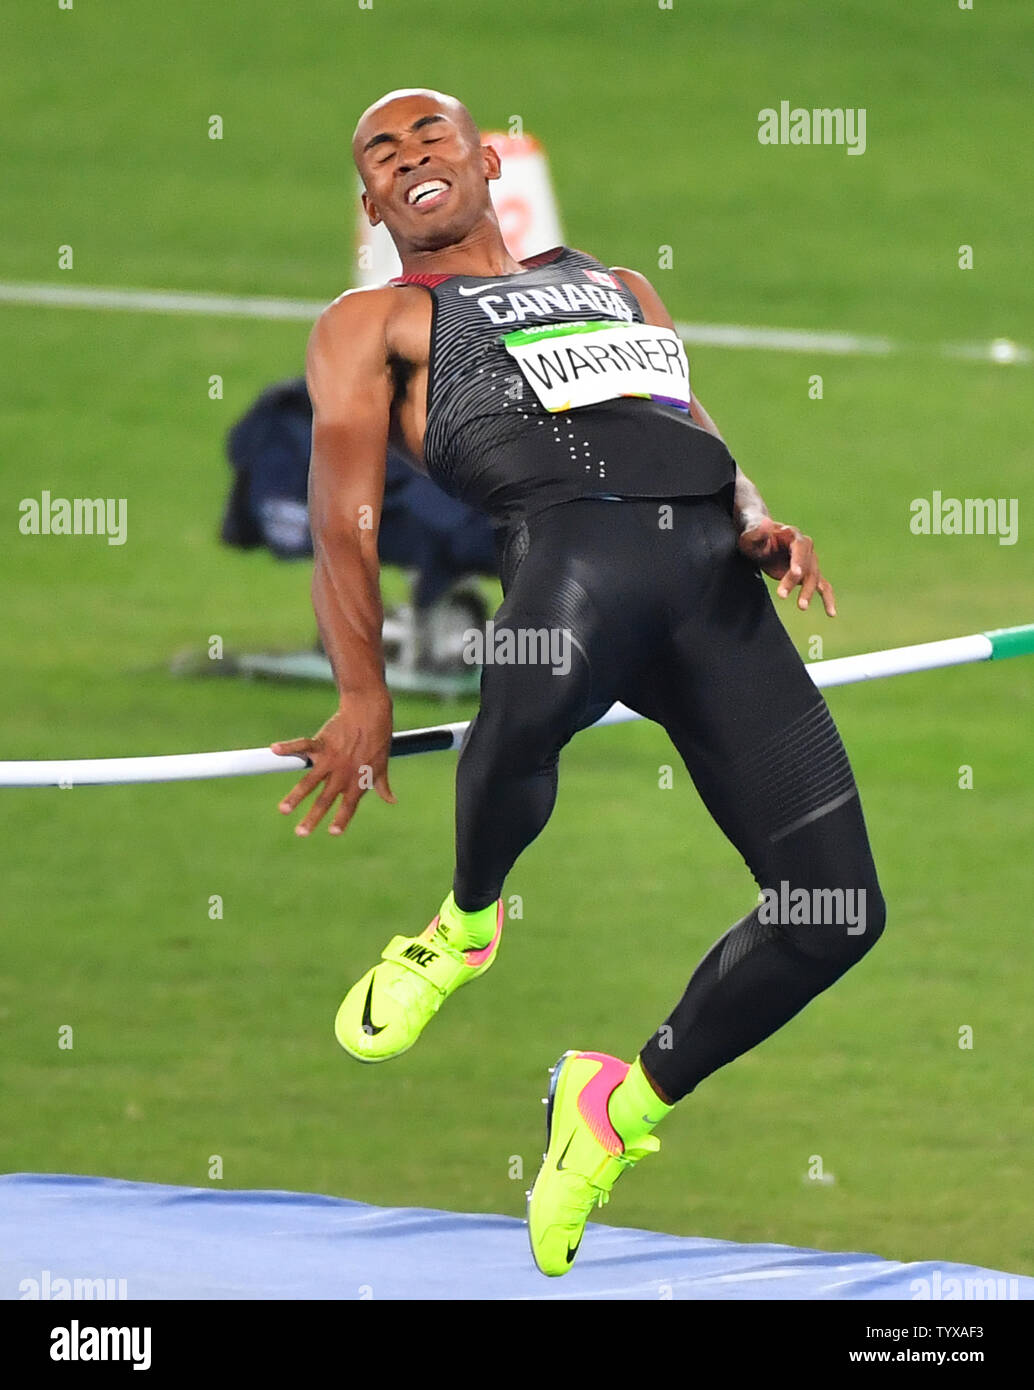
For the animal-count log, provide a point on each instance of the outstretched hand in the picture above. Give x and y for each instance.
(349, 755)
(789, 556)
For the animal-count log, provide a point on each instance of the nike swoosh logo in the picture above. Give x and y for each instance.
(368, 1024)
(560, 1160)
(560, 1168)
(477, 289)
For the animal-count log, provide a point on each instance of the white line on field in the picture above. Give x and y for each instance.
(727, 335)
(160, 302)
(781, 339)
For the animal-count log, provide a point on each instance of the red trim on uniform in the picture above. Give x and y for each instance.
(543, 258)
(419, 279)
(431, 281)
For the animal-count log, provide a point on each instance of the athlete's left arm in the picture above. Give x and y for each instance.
(782, 551)
(749, 505)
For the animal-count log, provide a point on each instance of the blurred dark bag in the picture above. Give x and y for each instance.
(421, 527)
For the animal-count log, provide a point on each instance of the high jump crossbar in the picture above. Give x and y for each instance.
(994, 645)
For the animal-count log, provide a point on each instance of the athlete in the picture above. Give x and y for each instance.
(553, 394)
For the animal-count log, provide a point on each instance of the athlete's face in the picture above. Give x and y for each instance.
(424, 173)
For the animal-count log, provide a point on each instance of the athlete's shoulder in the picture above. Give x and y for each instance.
(653, 307)
(353, 307)
(352, 324)
(634, 279)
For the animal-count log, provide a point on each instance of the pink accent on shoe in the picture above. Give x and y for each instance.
(478, 955)
(431, 928)
(594, 1095)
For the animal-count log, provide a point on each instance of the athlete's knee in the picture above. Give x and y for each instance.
(824, 900)
(823, 891)
(874, 917)
(511, 747)
(525, 729)
(835, 924)
(868, 919)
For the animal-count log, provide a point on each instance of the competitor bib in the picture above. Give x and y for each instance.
(569, 365)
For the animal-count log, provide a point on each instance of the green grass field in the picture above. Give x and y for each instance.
(195, 1037)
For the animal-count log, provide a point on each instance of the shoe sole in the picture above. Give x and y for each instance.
(554, 1082)
(388, 1057)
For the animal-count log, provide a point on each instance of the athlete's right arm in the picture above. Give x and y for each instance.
(350, 386)
(784, 552)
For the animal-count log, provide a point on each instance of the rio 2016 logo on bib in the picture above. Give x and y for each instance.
(574, 364)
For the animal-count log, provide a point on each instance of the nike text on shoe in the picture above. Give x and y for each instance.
(384, 1013)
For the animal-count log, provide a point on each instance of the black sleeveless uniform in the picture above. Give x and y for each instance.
(620, 536)
(491, 443)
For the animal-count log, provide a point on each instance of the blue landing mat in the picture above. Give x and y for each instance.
(186, 1243)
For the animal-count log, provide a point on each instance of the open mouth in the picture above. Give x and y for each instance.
(428, 194)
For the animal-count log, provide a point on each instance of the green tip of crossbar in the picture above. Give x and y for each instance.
(1011, 641)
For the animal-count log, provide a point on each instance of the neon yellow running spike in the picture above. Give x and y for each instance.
(384, 1013)
(584, 1157)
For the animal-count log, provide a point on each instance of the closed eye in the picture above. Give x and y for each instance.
(433, 140)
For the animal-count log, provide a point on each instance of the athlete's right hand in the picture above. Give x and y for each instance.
(349, 755)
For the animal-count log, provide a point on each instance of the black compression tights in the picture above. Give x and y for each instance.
(664, 614)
